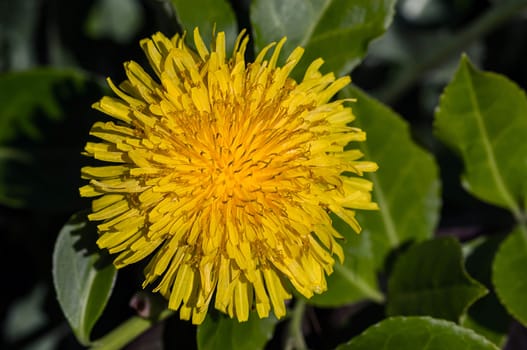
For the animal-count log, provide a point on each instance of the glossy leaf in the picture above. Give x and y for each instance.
(356, 278)
(483, 117)
(486, 316)
(418, 333)
(45, 115)
(221, 332)
(207, 15)
(406, 186)
(508, 274)
(430, 279)
(409, 203)
(337, 30)
(82, 281)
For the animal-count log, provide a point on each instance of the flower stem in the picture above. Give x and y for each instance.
(127, 332)
(410, 74)
(296, 337)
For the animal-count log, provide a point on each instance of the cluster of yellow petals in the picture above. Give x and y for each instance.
(224, 174)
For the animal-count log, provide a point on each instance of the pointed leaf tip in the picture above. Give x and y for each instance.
(482, 116)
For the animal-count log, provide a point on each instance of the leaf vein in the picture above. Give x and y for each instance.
(493, 165)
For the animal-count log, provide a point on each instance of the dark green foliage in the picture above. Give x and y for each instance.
(399, 287)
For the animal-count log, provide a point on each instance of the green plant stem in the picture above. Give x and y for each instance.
(408, 75)
(296, 337)
(127, 332)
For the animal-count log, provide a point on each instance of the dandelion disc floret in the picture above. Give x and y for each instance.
(223, 174)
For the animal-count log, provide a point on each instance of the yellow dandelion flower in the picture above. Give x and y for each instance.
(224, 173)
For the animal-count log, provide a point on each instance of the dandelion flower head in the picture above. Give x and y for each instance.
(223, 174)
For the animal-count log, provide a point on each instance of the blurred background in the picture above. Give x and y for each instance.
(54, 58)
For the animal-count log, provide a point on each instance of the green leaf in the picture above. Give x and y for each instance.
(82, 280)
(508, 274)
(207, 15)
(483, 117)
(220, 332)
(339, 31)
(409, 203)
(356, 278)
(418, 333)
(486, 316)
(45, 116)
(406, 186)
(430, 279)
